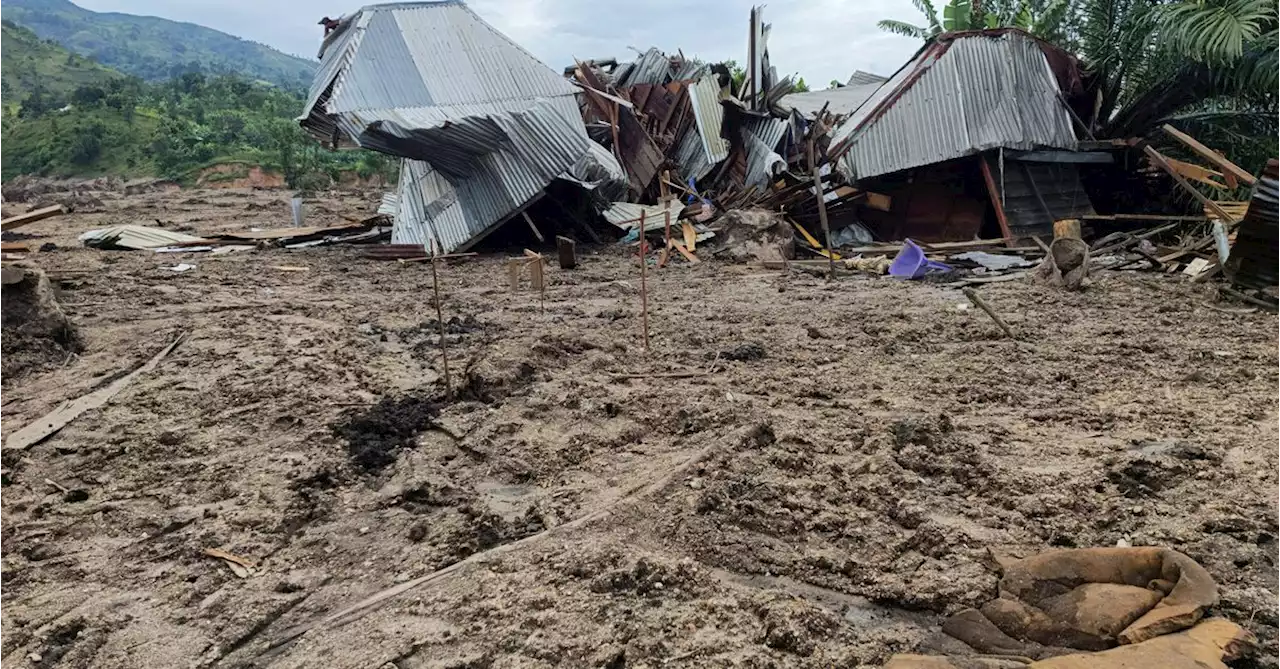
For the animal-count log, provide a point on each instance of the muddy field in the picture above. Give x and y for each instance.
(798, 474)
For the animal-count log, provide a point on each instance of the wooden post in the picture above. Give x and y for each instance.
(1067, 227)
(513, 273)
(537, 279)
(566, 248)
(822, 209)
(435, 288)
(644, 293)
(666, 206)
(536, 233)
(995, 201)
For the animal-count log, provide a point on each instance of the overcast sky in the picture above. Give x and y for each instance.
(819, 39)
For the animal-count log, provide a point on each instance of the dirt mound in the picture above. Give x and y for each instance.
(754, 234)
(37, 334)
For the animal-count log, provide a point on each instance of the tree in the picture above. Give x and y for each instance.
(1206, 64)
(1044, 18)
(799, 86)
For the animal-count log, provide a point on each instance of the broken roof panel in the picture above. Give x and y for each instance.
(961, 95)
(487, 125)
(861, 78)
(708, 117)
(840, 101)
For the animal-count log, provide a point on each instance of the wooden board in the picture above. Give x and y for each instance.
(46, 426)
(1210, 155)
(14, 222)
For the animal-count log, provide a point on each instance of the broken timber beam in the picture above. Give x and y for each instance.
(1210, 155)
(536, 233)
(14, 222)
(1158, 158)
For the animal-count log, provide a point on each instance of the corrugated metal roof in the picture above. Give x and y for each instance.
(861, 78)
(626, 215)
(1252, 261)
(957, 98)
(843, 100)
(692, 157)
(136, 237)
(485, 124)
(704, 95)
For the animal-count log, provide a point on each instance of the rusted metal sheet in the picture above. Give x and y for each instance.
(1253, 261)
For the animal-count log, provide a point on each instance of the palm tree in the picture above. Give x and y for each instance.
(1209, 66)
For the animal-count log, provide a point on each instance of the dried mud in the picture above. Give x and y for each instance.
(825, 479)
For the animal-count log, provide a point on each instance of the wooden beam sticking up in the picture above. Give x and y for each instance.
(566, 249)
(1210, 155)
(1158, 158)
(644, 292)
(995, 201)
(435, 288)
(822, 208)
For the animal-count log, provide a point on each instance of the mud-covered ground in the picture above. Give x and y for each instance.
(797, 473)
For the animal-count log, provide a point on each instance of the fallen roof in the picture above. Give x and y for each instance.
(489, 125)
(961, 94)
(841, 101)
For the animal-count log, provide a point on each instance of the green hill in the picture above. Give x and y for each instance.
(29, 64)
(152, 48)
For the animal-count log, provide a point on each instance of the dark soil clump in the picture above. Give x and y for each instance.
(36, 334)
(375, 435)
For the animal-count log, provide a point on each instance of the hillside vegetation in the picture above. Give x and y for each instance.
(152, 48)
(132, 128)
(29, 64)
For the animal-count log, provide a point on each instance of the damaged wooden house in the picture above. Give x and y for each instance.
(973, 138)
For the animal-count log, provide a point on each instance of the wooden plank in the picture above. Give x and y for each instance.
(995, 200)
(879, 201)
(536, 233)
(14, 222)
(48, 425)
(1158, 158)
(1195, 172)
(685, 252)
(1139, 217)
(1210, 155)
(690, 236)
(15, 247)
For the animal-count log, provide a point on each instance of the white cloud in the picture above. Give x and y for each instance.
(817, 39)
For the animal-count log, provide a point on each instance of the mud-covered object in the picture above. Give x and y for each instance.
(1057, 604)
(1066, 265)
(754, 234)
(37, 335)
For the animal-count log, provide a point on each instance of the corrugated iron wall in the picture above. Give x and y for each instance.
(1254, 259)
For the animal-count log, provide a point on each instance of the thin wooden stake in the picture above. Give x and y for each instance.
(822, 212)
(435, 288)
(644, 292)
(982, 304)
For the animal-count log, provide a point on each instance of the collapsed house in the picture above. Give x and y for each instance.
(484, 127)
(974, 130)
